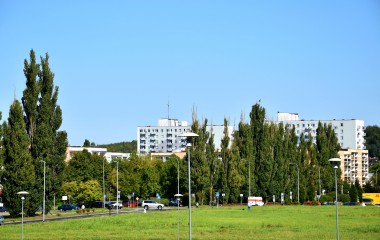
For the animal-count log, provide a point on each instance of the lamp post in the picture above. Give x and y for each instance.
(178, 195)
(298, 181)
(104, 189)
(189, 134)
(22, 194)
(336, 161)
(117, 187)
(43, 200)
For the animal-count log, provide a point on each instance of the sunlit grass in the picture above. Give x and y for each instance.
(268, 222)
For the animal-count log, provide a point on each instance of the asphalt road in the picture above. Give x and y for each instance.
(83, 215)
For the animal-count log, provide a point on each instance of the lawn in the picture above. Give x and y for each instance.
(267, 222)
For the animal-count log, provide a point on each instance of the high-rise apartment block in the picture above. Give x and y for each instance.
(165, 138)
(350, 133)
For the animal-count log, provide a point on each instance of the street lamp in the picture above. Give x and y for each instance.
(43, 200)
(336, 161)
(117, 187)
(189, 134)
(178, 196)
(22, 194)
(104, 189)
(298, 181)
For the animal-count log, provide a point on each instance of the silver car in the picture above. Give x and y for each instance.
(146, 204)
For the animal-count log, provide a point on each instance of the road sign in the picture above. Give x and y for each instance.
(217, 194)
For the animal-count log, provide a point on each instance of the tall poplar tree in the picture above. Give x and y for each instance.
(327, 147)
(199, 166)
(19, 172)
(30, 95)
(224, 173)
(243, 141)
(43, 117)
(213, 164)
(260, 145)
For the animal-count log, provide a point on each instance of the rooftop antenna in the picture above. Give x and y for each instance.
(169, 112)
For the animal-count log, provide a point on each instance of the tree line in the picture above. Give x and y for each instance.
(262, 159)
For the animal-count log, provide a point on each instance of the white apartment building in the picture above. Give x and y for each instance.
(350, 133)
(165, 138)
(71, 150)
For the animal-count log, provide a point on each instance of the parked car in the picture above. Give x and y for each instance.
(350, 204)
(131, 203)
(115, 204)
(174, 203)
(97, 204)
(68, 207)
(146, 204)
(3, 209)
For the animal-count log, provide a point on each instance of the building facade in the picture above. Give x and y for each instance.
(350, 133)
(165, 138)
(354, 165)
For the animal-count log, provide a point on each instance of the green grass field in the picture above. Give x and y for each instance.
(267, 222)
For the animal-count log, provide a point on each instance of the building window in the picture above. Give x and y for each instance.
(341, 124)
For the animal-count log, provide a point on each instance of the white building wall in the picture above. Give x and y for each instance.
(350, 133)
(165, 138)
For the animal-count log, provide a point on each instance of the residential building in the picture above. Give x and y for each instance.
(165, 138)
(71, 150)
(350, 133)
(354, 165)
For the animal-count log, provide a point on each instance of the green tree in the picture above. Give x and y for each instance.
(327, 147)
(261, 145)
(373, 140)
(84, 166)
(30, 95)
(224, 173)
(19, 172)
(69, 189)
(86, 143)
(243, 141)
(49, 144)
(353, 193)
(88, 192)
(1, 149)
(213, 165)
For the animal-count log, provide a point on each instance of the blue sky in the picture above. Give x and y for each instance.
(118, 63)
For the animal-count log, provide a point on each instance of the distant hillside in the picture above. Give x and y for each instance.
(125, 147)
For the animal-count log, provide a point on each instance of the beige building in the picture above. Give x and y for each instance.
(354, 165)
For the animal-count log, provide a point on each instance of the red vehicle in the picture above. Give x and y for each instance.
(131, 203)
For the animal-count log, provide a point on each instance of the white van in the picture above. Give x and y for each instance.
(255, 201)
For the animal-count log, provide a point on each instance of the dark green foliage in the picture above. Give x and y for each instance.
(125, 147)
(327, 148)
(353, 193)
(373, 140)
(19, 172)
(84, 167)
(86, 143)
